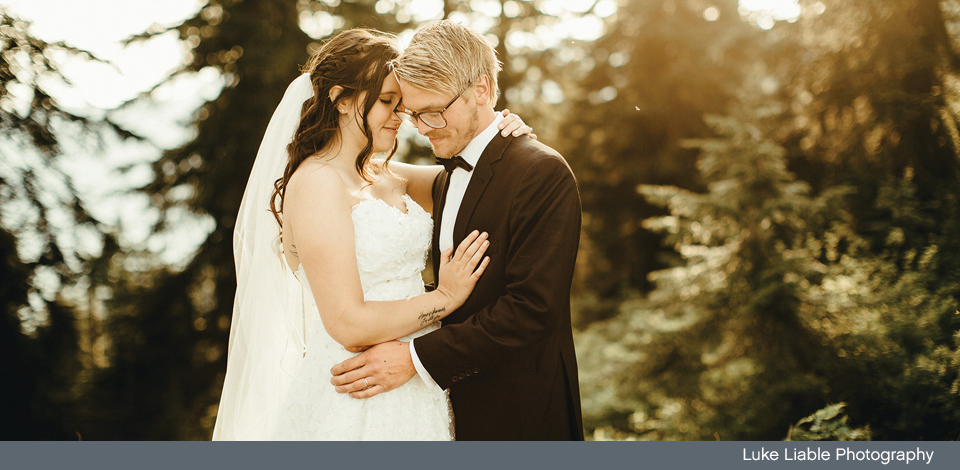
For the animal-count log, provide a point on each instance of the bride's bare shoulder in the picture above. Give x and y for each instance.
(314, 180)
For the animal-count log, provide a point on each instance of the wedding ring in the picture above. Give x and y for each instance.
(365, 382)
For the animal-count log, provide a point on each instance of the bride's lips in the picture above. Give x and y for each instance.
(390, 129)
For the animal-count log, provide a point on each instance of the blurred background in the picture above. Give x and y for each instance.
(771, 242)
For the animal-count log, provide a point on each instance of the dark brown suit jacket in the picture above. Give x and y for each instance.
(507, 354)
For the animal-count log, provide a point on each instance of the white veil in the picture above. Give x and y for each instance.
(267, 334)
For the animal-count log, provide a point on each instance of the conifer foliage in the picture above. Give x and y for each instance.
(724, 328)
(818, 266)
(778, 309)
(41, 220)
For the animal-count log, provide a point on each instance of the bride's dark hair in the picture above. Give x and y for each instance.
(357, 60)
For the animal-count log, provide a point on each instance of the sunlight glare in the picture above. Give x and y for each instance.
(711, 14)
(425, 10)
(575, 6)
(766, 13)
(777, 9)
(605, 8)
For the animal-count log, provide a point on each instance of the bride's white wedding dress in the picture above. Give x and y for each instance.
(391, 253)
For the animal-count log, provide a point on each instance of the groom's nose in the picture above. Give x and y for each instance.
(422, 128)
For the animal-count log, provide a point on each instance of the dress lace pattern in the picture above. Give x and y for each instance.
(391, 253)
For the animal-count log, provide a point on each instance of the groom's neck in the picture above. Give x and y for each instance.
(485, 116)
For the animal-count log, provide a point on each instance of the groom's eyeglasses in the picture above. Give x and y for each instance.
(432, 119)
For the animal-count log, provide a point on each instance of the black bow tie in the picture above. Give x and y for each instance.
(450, 164)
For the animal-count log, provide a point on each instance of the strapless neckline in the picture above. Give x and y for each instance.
(413, 209)
(406, 200)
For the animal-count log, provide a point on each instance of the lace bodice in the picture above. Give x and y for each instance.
(391, 250)
(391, 253)
(391, 247)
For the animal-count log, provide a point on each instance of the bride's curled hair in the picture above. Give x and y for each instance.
(357, 60)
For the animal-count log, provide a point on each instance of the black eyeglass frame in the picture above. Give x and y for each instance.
(414, 116)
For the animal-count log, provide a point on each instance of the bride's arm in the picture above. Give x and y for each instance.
(419, 181)
(318, 212)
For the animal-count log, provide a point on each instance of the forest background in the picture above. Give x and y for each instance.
(769, 249)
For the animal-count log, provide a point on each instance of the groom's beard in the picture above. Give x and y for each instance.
(454, 141)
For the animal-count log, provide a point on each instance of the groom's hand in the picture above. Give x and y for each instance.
(379, 369)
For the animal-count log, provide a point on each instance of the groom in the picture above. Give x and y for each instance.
(507, 354)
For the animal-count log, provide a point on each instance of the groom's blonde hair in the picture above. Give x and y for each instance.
(447, 57)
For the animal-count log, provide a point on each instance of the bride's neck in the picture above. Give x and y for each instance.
(342, 154)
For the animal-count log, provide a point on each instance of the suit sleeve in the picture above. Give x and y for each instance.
(545, 218)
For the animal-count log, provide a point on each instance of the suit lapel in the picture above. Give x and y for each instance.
(482, 174)
(439, 200)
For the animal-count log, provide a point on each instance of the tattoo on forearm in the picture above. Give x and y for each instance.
(427, 318)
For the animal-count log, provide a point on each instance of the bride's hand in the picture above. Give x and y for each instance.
(512, 123)
(459, 273)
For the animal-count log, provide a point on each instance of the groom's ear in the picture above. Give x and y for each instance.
(482, 90)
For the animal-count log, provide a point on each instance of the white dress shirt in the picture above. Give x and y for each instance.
(459, 180)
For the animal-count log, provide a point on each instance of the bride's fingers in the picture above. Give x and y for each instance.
(508, 119)
(478, 245)
(514, 125)
(480, 269)
(522, 130)
(466, 244)
(478, 255)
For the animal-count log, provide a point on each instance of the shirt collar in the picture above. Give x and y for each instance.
(471, 153)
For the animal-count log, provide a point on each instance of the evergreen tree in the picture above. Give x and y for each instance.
(658, 69)
(890, 319)
(719, 348)
(869, 100)
(168, 326)
(798, 298)
(779, 308)
(868, 97)
(44, 267)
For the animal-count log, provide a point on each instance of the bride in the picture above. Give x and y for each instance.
(325, 232)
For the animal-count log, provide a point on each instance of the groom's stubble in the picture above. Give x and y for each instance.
(460, 135)
(463, 124)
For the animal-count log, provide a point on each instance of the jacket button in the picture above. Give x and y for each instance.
(462, 376)
(454, 379)
(469, 373)
(476, 370)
